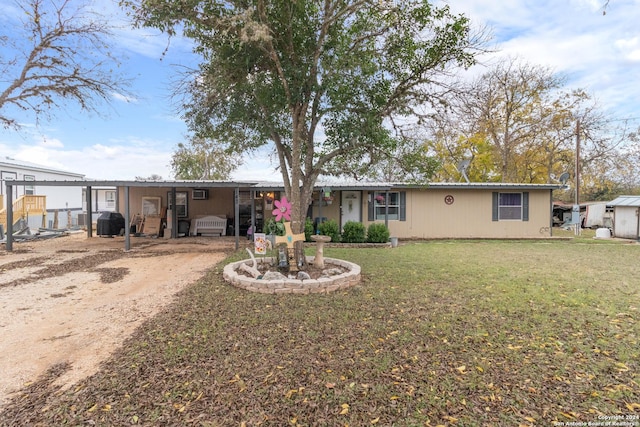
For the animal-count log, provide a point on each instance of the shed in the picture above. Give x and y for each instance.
(626, 222)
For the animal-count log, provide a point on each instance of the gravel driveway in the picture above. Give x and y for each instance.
(74, 299)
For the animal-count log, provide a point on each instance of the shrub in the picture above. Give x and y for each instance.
(274, 227)
(353, 232)
(377, 233)
(308, 229)
(330, 228)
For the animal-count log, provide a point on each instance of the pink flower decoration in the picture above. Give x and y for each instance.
(282, 209)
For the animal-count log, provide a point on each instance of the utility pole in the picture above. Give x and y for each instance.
(577, 162)
(576, 207)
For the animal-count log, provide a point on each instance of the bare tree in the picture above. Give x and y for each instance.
(57, 52)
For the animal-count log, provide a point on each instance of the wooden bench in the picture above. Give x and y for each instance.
(210, 224)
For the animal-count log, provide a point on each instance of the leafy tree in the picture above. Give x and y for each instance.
(202, 159)
(410, 161)
(320, 82)
(518, 123)
(153, 177)
(507, 106)
(58, 52)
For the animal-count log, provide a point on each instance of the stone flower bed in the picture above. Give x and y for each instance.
(338, 274)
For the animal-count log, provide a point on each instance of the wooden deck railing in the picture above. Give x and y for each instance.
(23, 207)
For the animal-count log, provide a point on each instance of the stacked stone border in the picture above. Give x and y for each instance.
(295, 286)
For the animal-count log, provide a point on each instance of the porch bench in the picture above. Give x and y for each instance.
(210, 224)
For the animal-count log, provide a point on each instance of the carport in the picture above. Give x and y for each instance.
(173, 186)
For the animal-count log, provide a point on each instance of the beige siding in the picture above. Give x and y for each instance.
(427, 214)
(220, 201)
(469, 216)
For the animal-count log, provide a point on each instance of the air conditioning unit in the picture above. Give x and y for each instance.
(200, 194)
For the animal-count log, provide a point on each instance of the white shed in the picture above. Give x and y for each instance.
(626, 223)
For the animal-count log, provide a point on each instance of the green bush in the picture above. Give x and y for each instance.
(377, 233)
(330, 228)
(308, 229)
(274, 227)
(353, 232)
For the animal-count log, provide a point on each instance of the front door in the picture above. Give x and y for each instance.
(351, 207)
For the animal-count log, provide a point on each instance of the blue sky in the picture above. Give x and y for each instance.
(135, 137)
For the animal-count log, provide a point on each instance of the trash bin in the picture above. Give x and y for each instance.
(110, 224)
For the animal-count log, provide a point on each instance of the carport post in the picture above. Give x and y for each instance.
(174, 215)
(89, 206)
(9, 244)
(236, 229)
(127, 226)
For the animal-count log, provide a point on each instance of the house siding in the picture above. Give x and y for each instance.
(220, 200)
(469, 216)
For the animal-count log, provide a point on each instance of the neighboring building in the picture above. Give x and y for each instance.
(103, 199)
(626, 214)
(39, 204)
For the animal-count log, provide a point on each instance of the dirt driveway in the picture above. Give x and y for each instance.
(75, 299)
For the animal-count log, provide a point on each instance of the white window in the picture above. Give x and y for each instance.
(29, 190)
(387, 205)
(510, 206)
(110, 199)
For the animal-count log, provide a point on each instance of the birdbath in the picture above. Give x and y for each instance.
(320, 241)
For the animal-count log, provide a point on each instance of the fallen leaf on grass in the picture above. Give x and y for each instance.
(633, 406)
(622, 367)
(345, 409)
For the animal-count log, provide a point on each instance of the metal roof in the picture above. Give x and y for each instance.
(112, 183)
(633, 201)
(21, 164)
(266, 185)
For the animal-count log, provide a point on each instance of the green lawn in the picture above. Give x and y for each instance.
(439, 333)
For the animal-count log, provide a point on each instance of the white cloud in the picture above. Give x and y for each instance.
(51, 143)
(600, 53)
(124, 98)
(629, 48)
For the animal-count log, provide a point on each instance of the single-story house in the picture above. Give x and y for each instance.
(434, 211)
(446, 210)
(626, 214)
